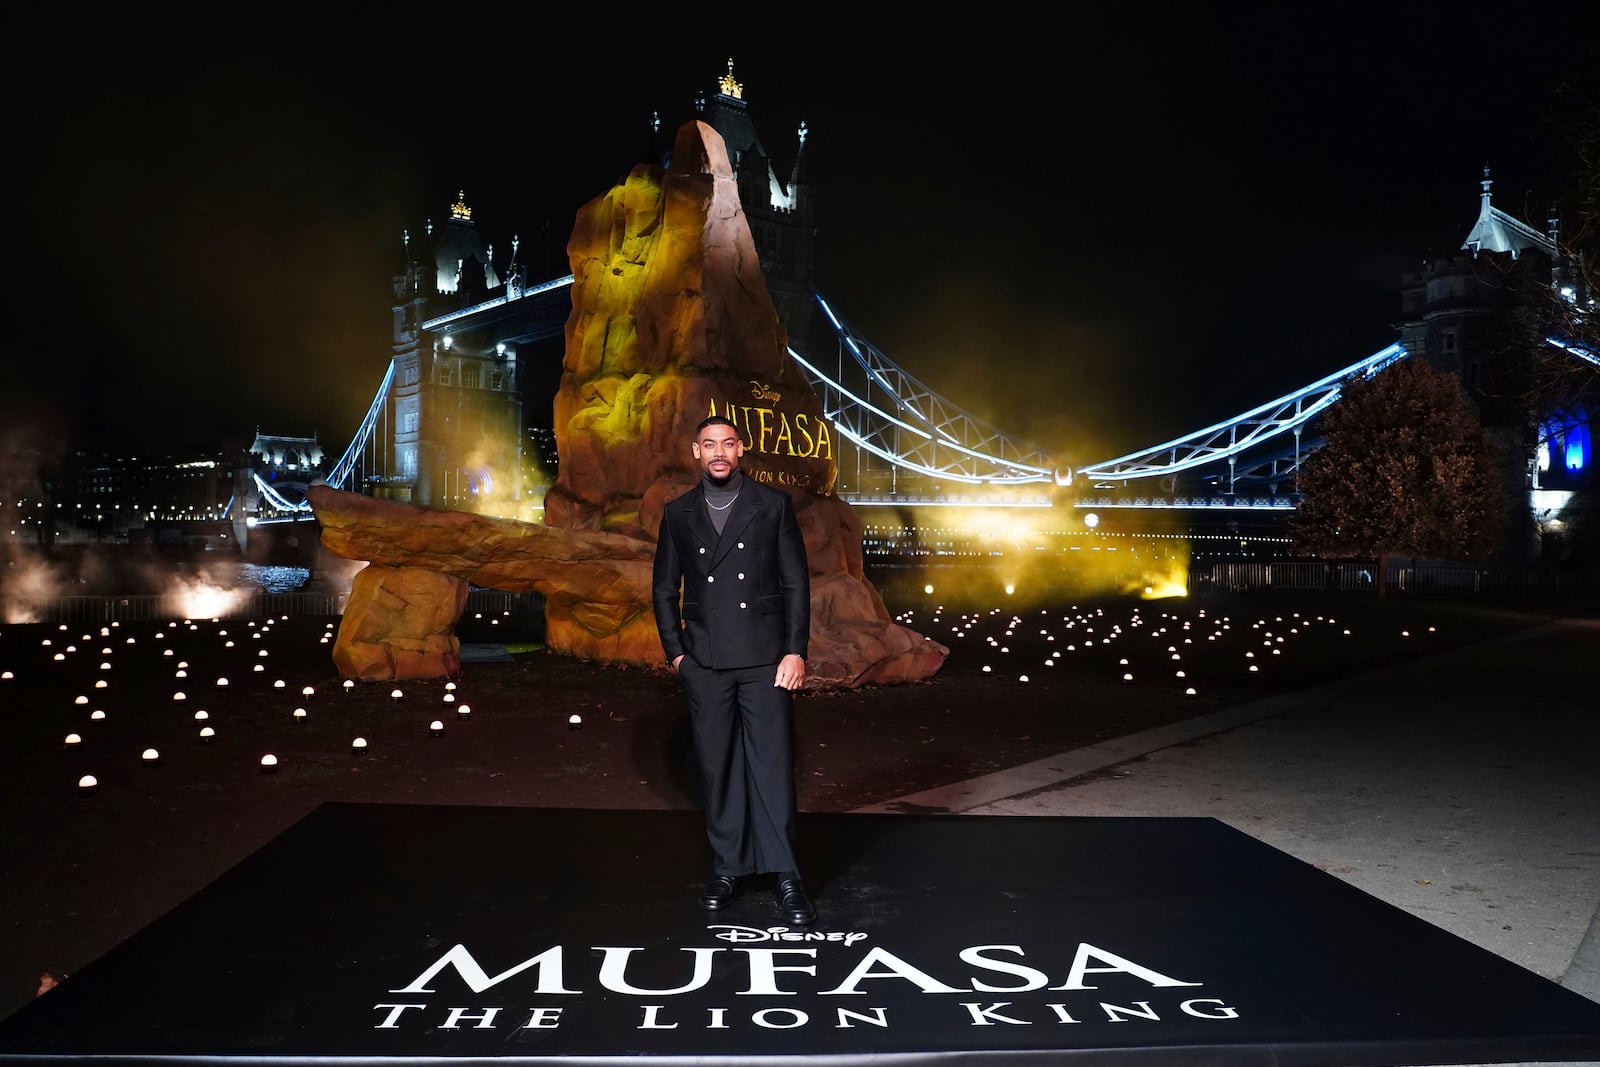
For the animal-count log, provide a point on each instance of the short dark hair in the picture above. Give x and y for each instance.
(717, 420)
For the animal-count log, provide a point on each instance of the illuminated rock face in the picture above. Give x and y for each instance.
(589, 578)
(400, 623)
(671, 321)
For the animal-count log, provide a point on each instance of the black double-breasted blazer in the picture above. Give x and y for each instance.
(739, 600)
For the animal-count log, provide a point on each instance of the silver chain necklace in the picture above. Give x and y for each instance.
(721, 507)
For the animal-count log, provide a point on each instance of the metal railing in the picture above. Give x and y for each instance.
(499, 602)
(157, 606)
(1405, 577)
(152, 607)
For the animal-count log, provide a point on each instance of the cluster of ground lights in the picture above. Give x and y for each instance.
(1129, 644)
(215, 666)
(111, 690)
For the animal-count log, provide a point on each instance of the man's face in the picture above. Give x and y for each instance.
(718, 451)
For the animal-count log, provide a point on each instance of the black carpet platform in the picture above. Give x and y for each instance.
(408, 933)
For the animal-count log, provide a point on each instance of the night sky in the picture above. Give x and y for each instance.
(1098, 235)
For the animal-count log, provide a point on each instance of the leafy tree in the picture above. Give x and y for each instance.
(1404, 468)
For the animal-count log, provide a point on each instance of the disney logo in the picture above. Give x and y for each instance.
(763, 391)
(744, 935)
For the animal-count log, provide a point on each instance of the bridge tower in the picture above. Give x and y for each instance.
(1460, 313)
(1454, 306)
(273, 471)
(454, 418)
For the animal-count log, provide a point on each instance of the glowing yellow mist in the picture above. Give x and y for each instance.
(1026, 556)
(201, 598)
(26, 581)
(509, 495)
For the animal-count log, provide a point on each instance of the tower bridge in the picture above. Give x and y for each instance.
(445, 427)
(905, 445)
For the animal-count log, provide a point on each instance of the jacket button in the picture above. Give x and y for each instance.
(741, 603)
(741, 545)
(741, 576)
(711, 577)
(702, 551)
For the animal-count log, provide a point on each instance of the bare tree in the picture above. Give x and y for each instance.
(1547, 338)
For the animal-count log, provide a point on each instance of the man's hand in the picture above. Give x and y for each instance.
(791, 672)
(675, 661)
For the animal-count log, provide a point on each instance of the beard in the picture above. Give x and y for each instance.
(722, 482)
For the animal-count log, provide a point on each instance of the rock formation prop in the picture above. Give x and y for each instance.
(588, 577)
(671, 321)
(400, 623)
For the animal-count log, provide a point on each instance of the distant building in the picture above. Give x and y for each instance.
(542, 465)
(1464, 313)
(92, 498)
(543, 458)
(298, 456)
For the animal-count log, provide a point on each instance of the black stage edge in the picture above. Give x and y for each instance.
(532, 936)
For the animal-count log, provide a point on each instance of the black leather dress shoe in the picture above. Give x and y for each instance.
(719, 892)
(791, 897)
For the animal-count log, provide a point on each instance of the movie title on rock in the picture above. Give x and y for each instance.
(777, 433)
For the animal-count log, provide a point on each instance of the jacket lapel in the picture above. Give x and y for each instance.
(744, 510)
(694, 504)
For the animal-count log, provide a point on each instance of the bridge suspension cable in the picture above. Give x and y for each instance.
(1279, 464)
(339, 476)
(912, 426)
(277, 499)
(887, 412)
(1577, 350)
(1242, 432)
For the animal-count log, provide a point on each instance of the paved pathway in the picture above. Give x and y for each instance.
(1463, 788)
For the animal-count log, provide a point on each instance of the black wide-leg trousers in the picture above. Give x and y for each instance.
(743, 728)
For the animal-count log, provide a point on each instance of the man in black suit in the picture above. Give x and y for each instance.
(731, 551)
